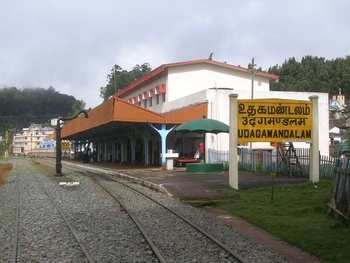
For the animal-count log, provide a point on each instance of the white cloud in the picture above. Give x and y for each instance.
(72, 45)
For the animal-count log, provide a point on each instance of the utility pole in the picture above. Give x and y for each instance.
(252, 96)
(252, 68)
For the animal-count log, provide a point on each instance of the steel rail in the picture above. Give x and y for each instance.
(202, 231)
(15, 238)
(119, 199)
(71, 228)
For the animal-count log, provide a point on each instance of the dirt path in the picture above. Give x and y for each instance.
(4, 169)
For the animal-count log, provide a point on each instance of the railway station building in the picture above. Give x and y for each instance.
(136, 124)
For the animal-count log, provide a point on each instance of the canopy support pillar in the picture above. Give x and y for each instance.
(105, 144)
(163, 132)
(113, 150)
(133, 147)
(122, 149)
(146, 137)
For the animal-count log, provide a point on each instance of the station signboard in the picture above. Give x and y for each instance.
(274, 120)
(65, 145)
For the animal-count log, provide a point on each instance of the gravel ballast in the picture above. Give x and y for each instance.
(103, 227)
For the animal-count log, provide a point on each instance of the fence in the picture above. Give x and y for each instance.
(339, 205)
(337, 169)
(268, 161)
(215, 156)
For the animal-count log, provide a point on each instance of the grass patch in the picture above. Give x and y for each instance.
(297, 215)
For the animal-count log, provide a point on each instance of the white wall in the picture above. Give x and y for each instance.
(155, 107)
(189, 79)
(190, 84)
(182, 81)
(218, 108)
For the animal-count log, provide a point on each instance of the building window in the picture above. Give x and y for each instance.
(150, 102)
(163, 95)
(145, 104)
(157, 99)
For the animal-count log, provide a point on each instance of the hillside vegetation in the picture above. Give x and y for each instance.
(21, 107)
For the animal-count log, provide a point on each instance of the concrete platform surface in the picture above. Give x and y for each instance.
(182, 184)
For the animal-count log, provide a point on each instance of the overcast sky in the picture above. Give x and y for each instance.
(72, 45)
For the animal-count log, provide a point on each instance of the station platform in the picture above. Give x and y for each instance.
(181, 184)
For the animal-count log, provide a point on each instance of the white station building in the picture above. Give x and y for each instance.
(169, 95)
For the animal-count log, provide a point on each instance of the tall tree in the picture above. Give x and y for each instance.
(118, 79)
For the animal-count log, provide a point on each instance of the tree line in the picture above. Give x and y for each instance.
(21, 107)
(313, 74)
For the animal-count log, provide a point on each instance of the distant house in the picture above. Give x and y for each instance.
(334, 135)
(30, 139)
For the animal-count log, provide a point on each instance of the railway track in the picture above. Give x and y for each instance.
(99, 179)
(67, 242)
(91, 222)
(17, 226)
(119, 199)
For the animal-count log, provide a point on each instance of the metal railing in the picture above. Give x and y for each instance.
(268, 161)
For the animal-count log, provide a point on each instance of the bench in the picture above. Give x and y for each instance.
(183, 161)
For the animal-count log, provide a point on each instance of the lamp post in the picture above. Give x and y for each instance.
(58, 140)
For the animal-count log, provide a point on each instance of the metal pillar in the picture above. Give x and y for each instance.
(146, 136)
(105, 147)
(113, 151)
(122, 150)
(133, 149)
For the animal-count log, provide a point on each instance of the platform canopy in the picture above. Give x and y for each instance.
(119, 117)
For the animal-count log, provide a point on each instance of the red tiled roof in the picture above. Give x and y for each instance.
(163, 68)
